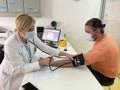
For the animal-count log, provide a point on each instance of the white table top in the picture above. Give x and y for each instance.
(2, 41)
(79, 78)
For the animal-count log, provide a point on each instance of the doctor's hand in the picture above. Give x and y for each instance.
(45, 61)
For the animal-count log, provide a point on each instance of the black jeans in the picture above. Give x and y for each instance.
(103, 80)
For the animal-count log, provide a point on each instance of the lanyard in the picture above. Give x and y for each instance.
(28, 51)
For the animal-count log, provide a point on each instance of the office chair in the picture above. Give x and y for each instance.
(1, 54)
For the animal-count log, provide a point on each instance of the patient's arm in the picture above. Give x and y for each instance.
(61, 62)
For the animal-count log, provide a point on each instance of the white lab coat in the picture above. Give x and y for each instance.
(16, 61)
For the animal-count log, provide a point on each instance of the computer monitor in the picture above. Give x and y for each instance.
(40, 32)
(51, 35)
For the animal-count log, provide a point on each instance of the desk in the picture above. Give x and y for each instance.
(79, 78)
(2, 40)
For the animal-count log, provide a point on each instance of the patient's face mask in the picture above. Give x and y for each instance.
(89, 37)
(29, 35)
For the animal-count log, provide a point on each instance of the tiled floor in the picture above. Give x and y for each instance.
(115, 86)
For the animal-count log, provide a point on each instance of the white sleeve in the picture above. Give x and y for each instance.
(45, 48)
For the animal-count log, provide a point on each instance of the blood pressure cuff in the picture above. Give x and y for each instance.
(78, 60)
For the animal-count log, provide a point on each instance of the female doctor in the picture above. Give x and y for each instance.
(19, 54)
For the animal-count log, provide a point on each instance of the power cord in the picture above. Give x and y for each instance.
(58, 66)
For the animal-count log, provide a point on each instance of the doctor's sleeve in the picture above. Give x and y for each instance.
(45, 48)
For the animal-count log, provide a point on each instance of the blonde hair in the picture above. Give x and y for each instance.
(23, 22)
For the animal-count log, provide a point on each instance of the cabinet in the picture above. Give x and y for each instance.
(3, 6)
(13, 7)
(30, 7)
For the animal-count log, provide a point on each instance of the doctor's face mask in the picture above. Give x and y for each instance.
(30, 34)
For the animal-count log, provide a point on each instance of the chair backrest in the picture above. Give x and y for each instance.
(1, 55)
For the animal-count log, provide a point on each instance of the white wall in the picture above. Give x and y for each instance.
(70, 15)
(112, 20)
(9, 22)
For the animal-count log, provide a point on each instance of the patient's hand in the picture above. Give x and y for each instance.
(46, 61)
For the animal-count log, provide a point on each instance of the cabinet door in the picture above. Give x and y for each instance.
(15, 5)
(3, 6)
(32, 5)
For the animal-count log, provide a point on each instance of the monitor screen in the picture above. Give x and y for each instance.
(51, 35)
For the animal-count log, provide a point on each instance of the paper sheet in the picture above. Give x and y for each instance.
(44, 74)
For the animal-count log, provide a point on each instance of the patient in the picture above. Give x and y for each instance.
(102, 59)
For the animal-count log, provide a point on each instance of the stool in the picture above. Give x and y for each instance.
(109, 84)
(109, 88)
